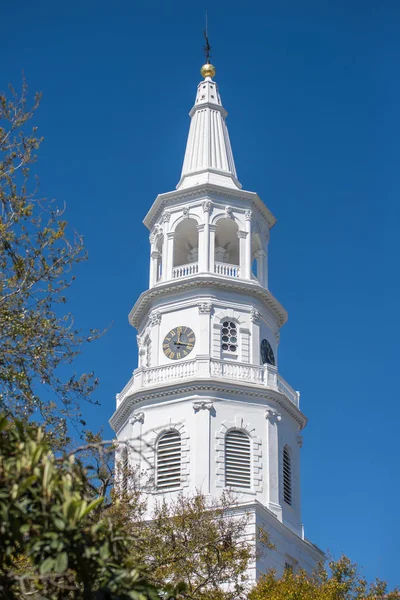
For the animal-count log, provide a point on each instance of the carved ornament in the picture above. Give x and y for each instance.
(137, 418)
(204, 307)
(155, 318)
(202, 406)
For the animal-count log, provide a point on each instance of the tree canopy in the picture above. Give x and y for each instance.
(38, 336)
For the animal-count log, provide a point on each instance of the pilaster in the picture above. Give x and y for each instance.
(205, 309)
(165, 219)
(255, 319)
(155, 321)
(273, 418)
(212, 229)
(202, 445)
(245, 265)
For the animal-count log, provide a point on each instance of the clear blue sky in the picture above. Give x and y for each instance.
(312, 91)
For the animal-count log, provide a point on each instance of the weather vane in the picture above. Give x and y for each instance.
(207, 47)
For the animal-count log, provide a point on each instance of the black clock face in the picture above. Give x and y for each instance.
(267, 354)
(179, 342)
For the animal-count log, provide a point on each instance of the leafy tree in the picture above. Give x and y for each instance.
(54, 542)
(341, 581)
(204, 544)
(37, 336)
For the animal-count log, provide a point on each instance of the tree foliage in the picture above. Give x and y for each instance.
(38, 336)
(54, 542)
(192, 540)
(340, 581)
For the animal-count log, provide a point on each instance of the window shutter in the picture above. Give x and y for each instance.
(169, 460)
(287, 476)
(237, 459)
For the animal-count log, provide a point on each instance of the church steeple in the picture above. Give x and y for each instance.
(208, 156)
(207, 403)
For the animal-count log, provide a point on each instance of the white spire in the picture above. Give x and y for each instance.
(208, 156)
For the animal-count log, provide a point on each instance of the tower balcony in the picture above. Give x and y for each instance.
(209, 368)
(224, 269)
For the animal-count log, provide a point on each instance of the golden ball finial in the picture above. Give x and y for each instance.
(208, 70)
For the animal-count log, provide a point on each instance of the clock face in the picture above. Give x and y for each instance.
(179, 342)
(267, 354)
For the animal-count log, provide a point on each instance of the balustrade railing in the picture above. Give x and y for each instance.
(165, 373)
(259, 375)
(240, 371)
(185, 270)
(226, 269)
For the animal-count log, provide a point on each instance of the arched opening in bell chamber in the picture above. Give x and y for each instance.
(186, 249)
(227, 253)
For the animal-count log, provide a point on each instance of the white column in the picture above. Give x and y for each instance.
(154, 262)
(212, 230)
(273, 418)
(203, 248)
(248, 216)
(152, 249)
(170, 255)
(265, 269)
(244, 262)
(207, 209)
(166, 218)
(260, 257)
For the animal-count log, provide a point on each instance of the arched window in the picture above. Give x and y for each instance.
(168, 460)
(287, 476)
(229, 339)
(237, 459)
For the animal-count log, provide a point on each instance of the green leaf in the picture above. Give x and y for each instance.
(61, 563)
(59, 523)
(91, 506)
(47, 565)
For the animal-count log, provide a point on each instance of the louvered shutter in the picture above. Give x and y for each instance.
(237, 459)
(287, 476)
(169, 460)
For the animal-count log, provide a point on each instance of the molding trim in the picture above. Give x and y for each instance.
(202, 192)
(168, 391)
(198, 281)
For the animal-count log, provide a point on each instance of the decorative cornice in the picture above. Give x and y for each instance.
(199, 281)
(177, 389)
(201, 192)
(202, 406)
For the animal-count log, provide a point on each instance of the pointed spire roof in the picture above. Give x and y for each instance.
(208, 156)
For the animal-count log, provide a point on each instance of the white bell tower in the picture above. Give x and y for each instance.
(207, 398)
